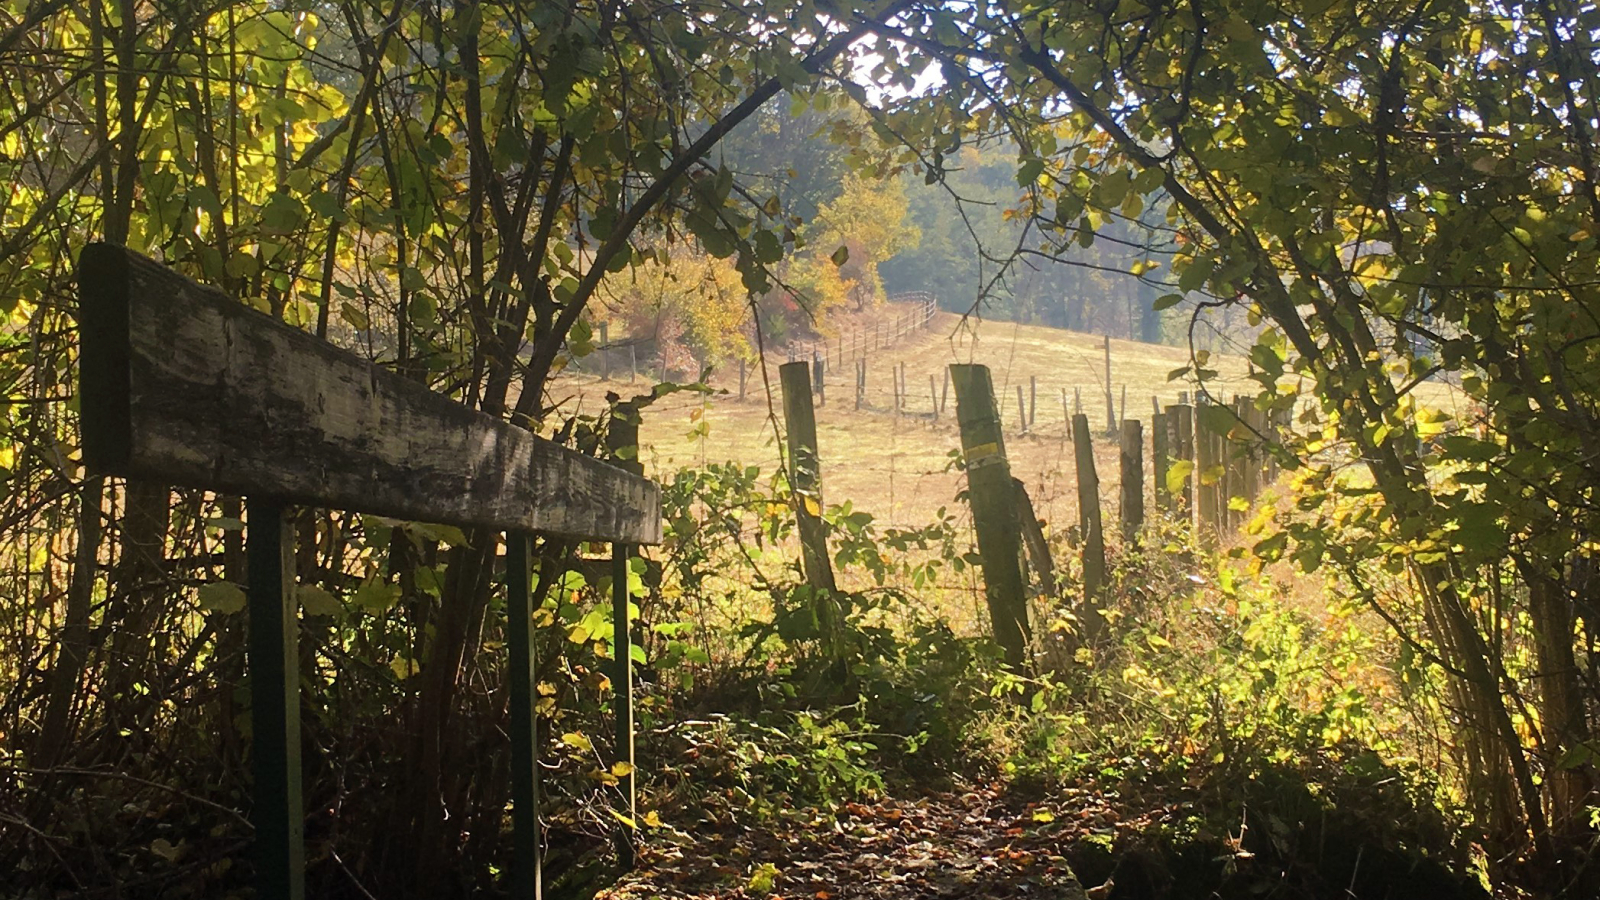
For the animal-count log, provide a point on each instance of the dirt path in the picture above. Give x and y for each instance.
(972, 844)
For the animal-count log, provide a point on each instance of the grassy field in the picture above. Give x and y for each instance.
(897, 467)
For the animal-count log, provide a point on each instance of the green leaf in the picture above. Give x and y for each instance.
(376, 596)
(314, 601)
(841, 255)
(1028, 173)
(223, 597)
(1178, 474)
(763, 879)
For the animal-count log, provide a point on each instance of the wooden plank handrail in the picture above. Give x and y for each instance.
(187, 386)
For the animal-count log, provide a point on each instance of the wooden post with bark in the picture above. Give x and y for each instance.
(1160, 461)
(1132, 484)
(1022, 412)
(1092, 527)
(1111, 411)
(994, 510)
(1180, 417)
(1034, 542)
(1251, 482)
(806, 483)
(1207, 469)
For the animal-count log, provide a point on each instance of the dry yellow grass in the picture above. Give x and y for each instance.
(897, 467)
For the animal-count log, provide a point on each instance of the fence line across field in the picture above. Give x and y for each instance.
(836, 351)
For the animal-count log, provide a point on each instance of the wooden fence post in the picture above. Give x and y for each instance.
(1277, 421)
(994, 509)
(1252, 475)
(1207, 469)
(1066, 417)
(273, 645)
(818, 379)
(527, 848)
(933, 395)
(1092, 527)
(1159, 461)
(1033, 540)
(1181, 423)
(1022, 412)
(944, 391)
(861, 379)
(1033, 399)
(806, 482)
(1132, 460)
(741, 377)
(1111, 412)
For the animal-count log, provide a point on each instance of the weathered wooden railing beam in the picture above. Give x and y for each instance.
(183, 384)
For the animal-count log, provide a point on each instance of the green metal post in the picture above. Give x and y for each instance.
(622, 441)
(622, 683)
(278, 814)
(527, 861)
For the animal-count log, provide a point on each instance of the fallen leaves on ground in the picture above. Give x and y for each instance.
(972, 843)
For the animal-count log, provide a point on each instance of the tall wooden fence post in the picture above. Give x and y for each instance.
(1132, 460)
(1160, 461)
(1181, 419)
(274, 628)
(994, 509)
(1207, 469)
(801, 422)
(1092, 527)
(1111, 411)
(527, 846)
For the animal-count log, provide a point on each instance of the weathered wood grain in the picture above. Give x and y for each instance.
(183, 384)
(994, 510)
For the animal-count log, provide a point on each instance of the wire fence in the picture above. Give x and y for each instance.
(835, 352)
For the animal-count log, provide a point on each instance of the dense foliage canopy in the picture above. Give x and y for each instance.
(1400, 194)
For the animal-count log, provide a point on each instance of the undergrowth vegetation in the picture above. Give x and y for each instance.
(1228, 723)
(1228, 728)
